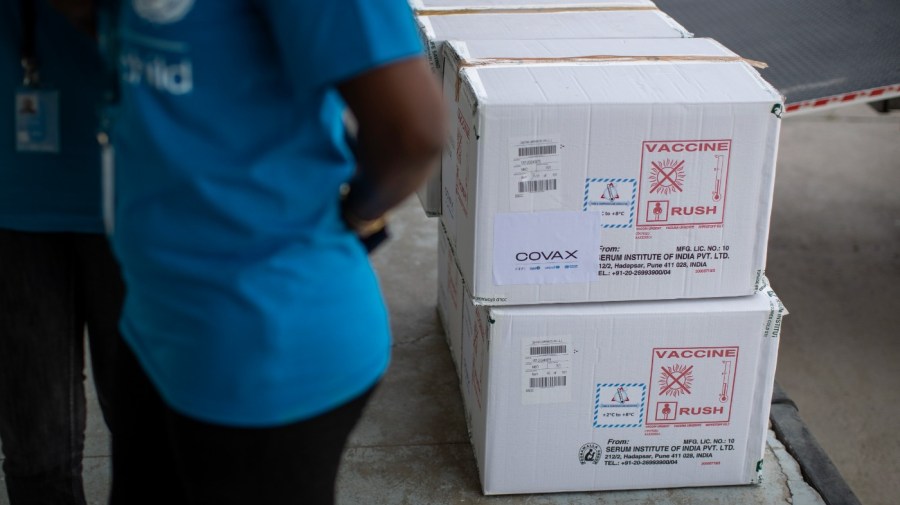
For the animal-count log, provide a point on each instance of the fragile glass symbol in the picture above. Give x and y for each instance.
(610, 193)
(621, 396)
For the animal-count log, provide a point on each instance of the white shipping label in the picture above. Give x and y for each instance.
(535, 173)
(546, 247)
(547, 374)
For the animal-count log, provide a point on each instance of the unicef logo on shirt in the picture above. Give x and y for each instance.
(162, 11)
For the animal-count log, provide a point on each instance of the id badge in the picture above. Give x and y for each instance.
(37, 121)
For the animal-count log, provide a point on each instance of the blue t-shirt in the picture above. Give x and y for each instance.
(40, 191)
(249, 302)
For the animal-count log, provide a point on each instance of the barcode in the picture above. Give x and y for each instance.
(548, 382)
(537, 186)
(548, 349)
(537, 150)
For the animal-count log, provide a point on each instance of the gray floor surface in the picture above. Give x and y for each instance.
(834, 258)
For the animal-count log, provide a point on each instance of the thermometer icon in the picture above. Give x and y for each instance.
(726, 376)
(717, 194)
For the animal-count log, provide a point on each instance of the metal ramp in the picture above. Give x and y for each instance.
(821, 53)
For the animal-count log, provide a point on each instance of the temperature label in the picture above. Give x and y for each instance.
(619, 405)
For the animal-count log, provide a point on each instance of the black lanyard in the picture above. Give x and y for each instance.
(31, 78)
(108, 40)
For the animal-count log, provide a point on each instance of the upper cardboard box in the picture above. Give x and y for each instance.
(447, 5)
(630, 170)
(584, 22)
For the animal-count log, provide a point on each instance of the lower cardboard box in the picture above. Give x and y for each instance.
(623, 395)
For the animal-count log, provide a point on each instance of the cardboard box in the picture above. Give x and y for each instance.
(622, 395)
(442, 6)
(605, 179)
(450, 295)
(609, 19)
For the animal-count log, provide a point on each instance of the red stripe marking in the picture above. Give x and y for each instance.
(842, 98)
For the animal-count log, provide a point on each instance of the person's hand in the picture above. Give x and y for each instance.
(371, 232)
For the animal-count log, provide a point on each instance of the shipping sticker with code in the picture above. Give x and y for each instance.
(547, 370)
(535, 173)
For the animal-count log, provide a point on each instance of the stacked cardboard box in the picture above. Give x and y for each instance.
(522, 20)
(618, 395)
(644, 172)
(634, 172)
(426, 6)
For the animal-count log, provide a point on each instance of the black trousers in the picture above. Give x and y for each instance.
(53, 287)
(163, 457)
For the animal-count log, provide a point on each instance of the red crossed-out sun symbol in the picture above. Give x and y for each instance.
(667, 176)
(676, 380)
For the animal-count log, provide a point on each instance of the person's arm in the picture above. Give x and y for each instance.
(400, 114)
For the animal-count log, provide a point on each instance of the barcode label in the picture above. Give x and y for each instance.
(537, 186)
(537, 150)
(548, 382)
(534, 164)
(547, 366)
(548, 349)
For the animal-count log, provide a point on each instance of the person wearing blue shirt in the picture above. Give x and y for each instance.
(58, 277)
(254, 319)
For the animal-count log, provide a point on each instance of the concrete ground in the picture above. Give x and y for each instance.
(834, 258)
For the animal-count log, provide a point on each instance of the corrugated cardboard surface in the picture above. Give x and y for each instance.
(523, 4)
(618, 395)
(639, 23)
(450, 294)
(435, 30)
(610, 181)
